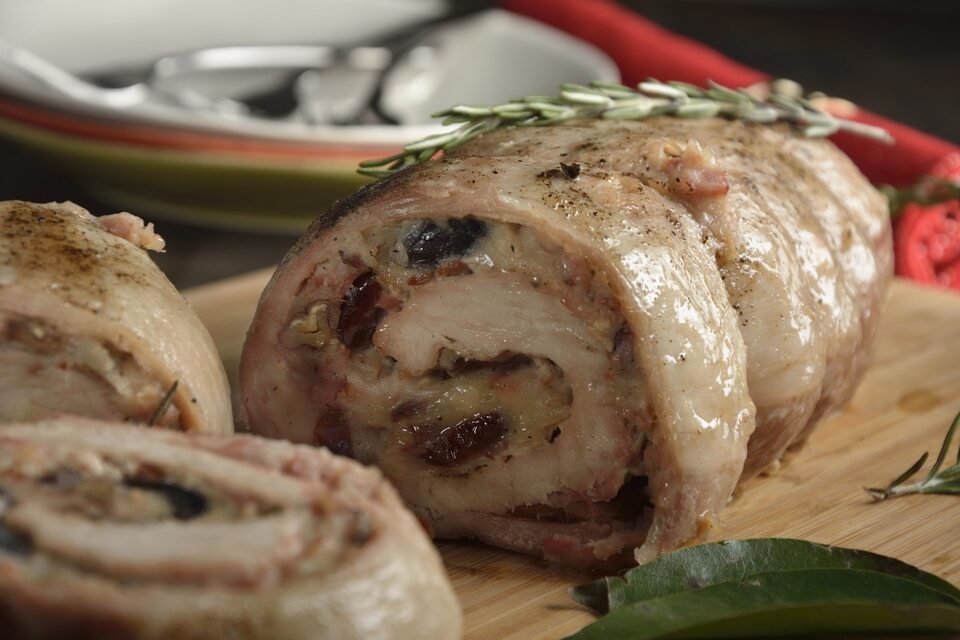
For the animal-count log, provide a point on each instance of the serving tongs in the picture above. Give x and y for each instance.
(321, 84)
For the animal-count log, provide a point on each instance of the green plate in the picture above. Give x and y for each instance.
(239, 191)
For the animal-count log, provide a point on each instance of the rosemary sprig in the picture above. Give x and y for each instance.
(619, 102)
(946, 481)
(164, 404)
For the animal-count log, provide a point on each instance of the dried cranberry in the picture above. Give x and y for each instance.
(623, 344)
(477, 435)
(331, 431)
(358, 312)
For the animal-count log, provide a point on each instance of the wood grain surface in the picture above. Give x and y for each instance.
(902, 409)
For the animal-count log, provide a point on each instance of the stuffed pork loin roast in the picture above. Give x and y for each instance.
(90, 326)
(572, 341)
(113, 531)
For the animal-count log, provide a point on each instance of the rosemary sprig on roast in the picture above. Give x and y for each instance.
(165, 402)
(619, 102)
(937, 481)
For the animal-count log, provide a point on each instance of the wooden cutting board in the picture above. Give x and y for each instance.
(902, 409)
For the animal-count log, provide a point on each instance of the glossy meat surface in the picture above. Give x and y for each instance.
(804, 248)
(113, 531)
(89, 325)
(702, 291)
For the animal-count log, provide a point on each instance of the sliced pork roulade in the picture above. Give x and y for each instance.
(114, 531)
(803, 248)
(551, 341)
(89, 325)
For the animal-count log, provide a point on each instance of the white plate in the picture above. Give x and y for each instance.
(489, 58)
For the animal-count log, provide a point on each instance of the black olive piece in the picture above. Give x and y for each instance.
(14, 543)
(430, 243)
(186, 503)
(10, 541)
(359, 313)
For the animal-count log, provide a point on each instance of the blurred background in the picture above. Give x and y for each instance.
(898, 59)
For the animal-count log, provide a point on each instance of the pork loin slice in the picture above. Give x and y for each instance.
(108, 530)
(505, 339)
(560, 340)
(803, 248)
(90, 326)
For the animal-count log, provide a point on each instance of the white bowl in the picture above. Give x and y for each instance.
(161, 160)
(488, 58)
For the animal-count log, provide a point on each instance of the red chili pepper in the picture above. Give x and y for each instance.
(927, 238)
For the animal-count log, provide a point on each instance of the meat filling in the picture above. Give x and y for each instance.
(139, 521)
(672, 289)
(451, 348)
(73, 374)
(120, 532)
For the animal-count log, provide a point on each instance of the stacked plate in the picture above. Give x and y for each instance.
(267, 144)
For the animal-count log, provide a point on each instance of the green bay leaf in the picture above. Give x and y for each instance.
(788, 603)
(705, 565)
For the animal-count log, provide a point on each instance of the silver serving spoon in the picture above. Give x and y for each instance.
(118, 98)
(303, 93)
(67, 84)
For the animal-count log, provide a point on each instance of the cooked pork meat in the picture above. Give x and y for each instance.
(573, 341)
(803, 248)
(90, 326)
(111, 531)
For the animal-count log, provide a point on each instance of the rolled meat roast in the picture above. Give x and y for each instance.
(113, 531)
(89, 325)
(574, 341)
